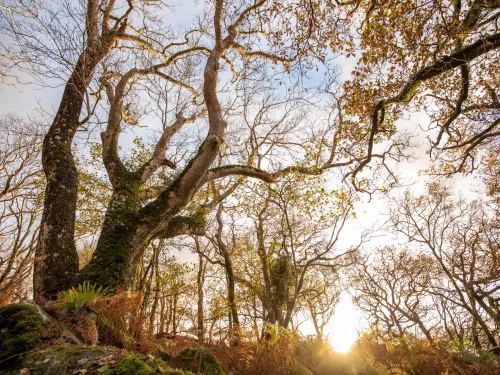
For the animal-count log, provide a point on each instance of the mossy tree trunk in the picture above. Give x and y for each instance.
(129, 225)
(57, 260)
(125, 234)
(200, 281)
(56, 252)
(108, 264)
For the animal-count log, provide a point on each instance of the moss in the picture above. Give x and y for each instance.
(20, 328)
(63, 359)
(164, 356)
(409, 92)
(108, 265)
(60, 360)
(199, 360)
(137, 365)
(130, 364)
(183, 224)
(177, 372)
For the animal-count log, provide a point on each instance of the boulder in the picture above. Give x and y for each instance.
(20, 329)
(75, 360)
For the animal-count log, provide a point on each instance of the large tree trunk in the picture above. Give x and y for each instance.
(57, 260)
(118, 239)
(128, 229)
(125, 235)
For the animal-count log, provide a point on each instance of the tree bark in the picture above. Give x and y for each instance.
(56, 252)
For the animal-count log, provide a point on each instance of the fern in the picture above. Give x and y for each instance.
(85, 295)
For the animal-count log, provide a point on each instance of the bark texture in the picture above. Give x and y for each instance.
(56, 251)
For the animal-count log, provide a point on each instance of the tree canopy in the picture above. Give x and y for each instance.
(248, 134)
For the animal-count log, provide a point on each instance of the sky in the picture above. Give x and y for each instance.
(30, 100)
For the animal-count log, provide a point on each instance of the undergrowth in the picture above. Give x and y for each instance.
(289, 354)
(108, 317)
(283, 352)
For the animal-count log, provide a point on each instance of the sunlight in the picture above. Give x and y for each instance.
(343, 328)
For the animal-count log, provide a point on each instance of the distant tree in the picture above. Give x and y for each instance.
(296, 228)
(393, 288)
(322, 294)
(21, 182)
(463, 239)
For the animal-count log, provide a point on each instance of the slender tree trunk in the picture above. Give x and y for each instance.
(156, 297)
(234, 326)
(424, 330)
(268, 311)
(170, 314)
(290, 307)
(200, 313)
(161, 330)
(475, 336)
(152, 316)
(235, 332)
(174, 316)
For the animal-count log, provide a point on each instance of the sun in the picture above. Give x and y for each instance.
(343, 328)
(343, 340)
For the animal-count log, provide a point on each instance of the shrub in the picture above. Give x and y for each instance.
(121, 324)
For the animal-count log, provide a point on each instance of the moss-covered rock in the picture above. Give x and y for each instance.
(63, 359)
(69, 360)
(138, 365)
(198, 360)
(164, 355)
(20, 328)
(130, 364)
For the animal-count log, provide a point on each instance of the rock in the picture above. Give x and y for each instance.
(63, 359)
(68, 337)
(164, 355)
(198, 360)
(43, 314)
(20, 328)
(73, 360)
